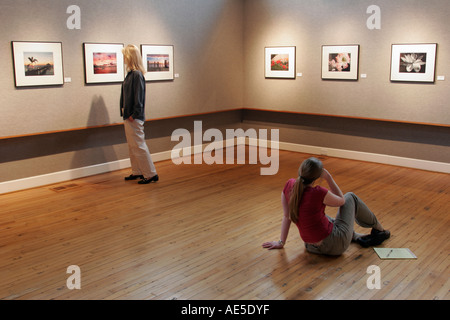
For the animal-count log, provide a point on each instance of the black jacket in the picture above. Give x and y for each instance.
(132, 97)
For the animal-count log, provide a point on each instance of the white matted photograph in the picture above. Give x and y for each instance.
(340, 62)
(280, 62)
(158, 62)
(413, 62)
(103, 62)
(37, 63)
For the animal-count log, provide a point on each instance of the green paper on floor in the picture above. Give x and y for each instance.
(395, 253)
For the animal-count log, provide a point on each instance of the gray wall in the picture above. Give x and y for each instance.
(300, 108)
(207, 38)
(310, 24)
(219, 54)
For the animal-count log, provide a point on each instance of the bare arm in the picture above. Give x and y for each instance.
(285, 224)
(334, 197)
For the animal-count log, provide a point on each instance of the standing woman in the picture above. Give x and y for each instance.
(304, 204)
(132, 109)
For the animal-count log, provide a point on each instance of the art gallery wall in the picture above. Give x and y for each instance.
(207, 40)
(372, 115)
(45, 130)
(310, 24)
(219, 57)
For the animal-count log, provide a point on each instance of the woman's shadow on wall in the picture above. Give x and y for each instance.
(95, 145)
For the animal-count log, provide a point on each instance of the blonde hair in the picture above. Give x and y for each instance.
(133, 59)
(310, 170)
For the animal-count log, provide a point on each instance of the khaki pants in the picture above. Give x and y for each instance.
(354, 210)
(140, 158)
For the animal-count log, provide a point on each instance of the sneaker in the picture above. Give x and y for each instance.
(134, 177)
(148, 180)
(375, 238)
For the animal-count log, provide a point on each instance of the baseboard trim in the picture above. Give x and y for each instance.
(369, 157)
(56, 177)
(66, 175)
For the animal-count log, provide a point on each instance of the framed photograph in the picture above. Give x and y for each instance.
(413, 62)
(280, 62)
(340, 62)
(158, 61)
(37, 63)
(103, 62)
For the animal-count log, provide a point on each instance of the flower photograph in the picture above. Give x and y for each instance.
(279, 62)
(339, 62)
(413, 62)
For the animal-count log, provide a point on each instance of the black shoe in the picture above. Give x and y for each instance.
(375, 238)
(133, 177)
(152, 179)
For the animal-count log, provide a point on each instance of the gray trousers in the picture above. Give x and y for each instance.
(354, 210)
(140, 158)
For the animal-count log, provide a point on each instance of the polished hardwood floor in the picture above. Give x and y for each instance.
(197, 234)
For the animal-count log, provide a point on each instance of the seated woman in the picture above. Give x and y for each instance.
(304, 204)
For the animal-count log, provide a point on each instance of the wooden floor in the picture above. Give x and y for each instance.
(197, 234)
